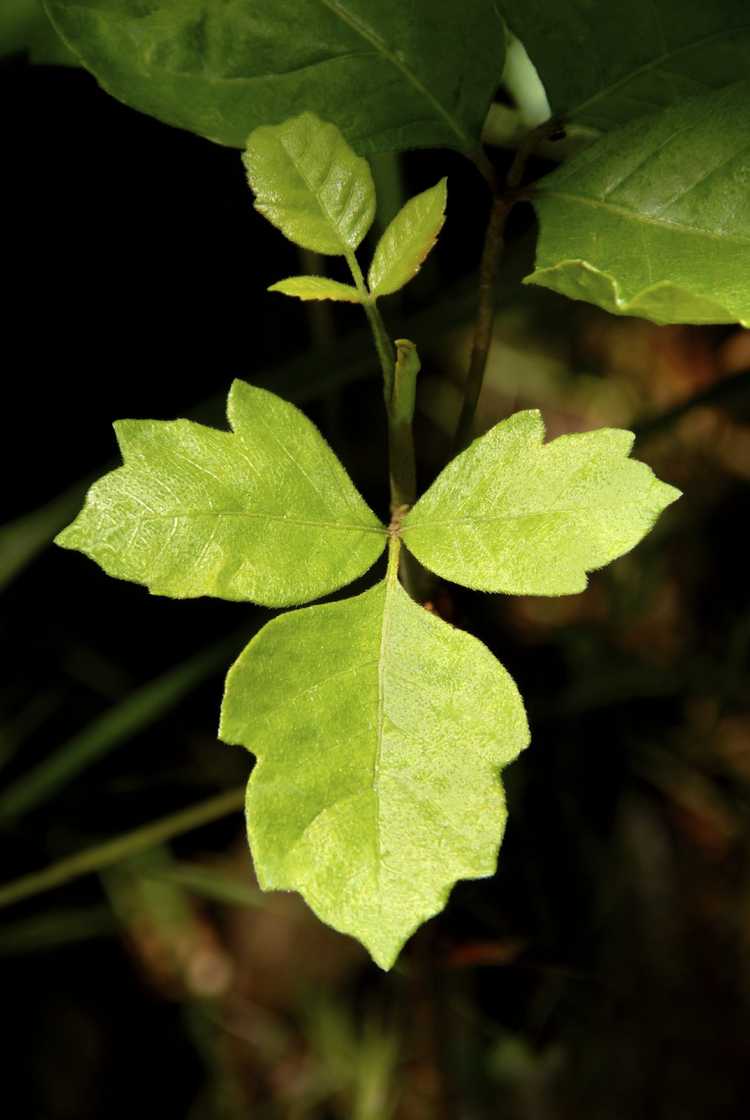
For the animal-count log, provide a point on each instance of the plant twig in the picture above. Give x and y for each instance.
(504, 198)
(122, 847)
(491, 252)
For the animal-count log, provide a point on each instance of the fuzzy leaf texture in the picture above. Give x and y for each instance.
(391, 75)
(316, 287)
(654, 219)
(514, 515)
(379, 732)
(265, 512)
(407, 241)
(603, 64)
(310, 184)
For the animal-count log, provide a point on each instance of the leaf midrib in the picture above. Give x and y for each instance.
(316, 192)
(263, 517)
(430, 521)
(371, 36)
(391, 580)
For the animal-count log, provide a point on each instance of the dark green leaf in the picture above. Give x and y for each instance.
(603, 64)
(654, 219)
(25, 28)
(391, 75)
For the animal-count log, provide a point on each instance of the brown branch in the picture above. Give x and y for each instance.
(504, 198)
(491, 253)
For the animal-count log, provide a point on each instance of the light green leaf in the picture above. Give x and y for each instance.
(379, 732)
(316, 287)
(310, 184)
(265, 512)
(391, 75)
(654, 219)
(407, 241)
(513, 515)
(603, 64)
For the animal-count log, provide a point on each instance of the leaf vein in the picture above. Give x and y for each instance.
(655, 63)
(646, 219)
(371, 36)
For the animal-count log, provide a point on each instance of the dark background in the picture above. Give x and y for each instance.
(604, 971)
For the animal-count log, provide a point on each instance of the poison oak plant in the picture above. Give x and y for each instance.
(380, 731)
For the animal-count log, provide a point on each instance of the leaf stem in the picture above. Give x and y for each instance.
(122, 847)
(399, 391)
(399, 388)
(377, 326)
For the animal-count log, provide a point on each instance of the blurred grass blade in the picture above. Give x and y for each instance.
(211, 884)
(112, 728)
(21, 540)
(56, 928)
(31, 717)
(124, 846)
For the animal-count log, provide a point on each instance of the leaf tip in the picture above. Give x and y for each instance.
(239, 389)
(126, 432)
(66, 537)
(385, 960)
(532, 421)
(668, 494)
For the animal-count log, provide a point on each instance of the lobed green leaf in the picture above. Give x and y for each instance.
(379, 732)
(605, 64)
(265, 512)
(310, 184)
(390, 75)
(316, 287)
(407, 240)
(654, 219)
(514, 515)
